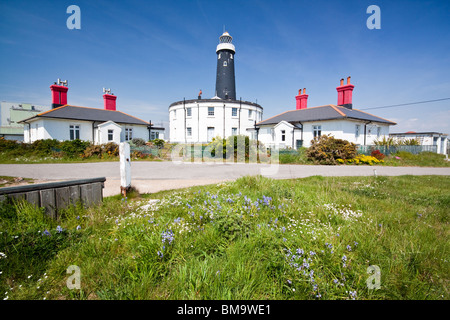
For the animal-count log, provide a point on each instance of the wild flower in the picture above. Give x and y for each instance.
(349, 248)
(47, 233)
(344, 261)
(167, 236)
(300, 251)
(353, 294)
(2, 255)
(160, 254)
(59, 229)
(78, 228)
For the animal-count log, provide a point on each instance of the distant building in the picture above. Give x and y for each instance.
(439, 140)
(296, 128)
(200, 120)
(11, 113)
(67, 122)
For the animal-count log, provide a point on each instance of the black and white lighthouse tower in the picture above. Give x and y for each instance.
(202, 120)
(225, 83)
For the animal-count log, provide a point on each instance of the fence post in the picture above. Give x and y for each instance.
(125, 168)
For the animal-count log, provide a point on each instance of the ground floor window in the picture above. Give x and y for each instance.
(189, 131)
(74, 131)
(283, 135)
(128, 134)
(357, 130)
(233, 131)
(317, 131)
(154, 135)
(110, 134)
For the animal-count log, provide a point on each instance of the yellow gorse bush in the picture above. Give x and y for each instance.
(361, 159)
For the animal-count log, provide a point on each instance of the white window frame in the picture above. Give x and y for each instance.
(250, 114)
(357, 131)
(111, 132)
(210, 111)
(233, 131)
(225, 64)
(128, 134)
(74, 131)
(283, 135)
(189, 132)
(189, 112)
(317, 131)
(234, 112)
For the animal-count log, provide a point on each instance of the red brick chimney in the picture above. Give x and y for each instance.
(59, 93)
(301, 99)
(345, 94)
(109, 100)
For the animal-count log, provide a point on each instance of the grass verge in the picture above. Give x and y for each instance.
(255, 238)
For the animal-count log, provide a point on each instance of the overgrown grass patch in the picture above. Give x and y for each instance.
(254, 238)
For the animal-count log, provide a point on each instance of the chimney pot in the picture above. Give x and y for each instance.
(348, 80)
(342, 81)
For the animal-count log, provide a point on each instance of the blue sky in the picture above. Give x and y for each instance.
(152, 53)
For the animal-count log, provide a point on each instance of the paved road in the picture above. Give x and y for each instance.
(156, 176)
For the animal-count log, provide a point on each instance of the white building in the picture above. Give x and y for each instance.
(296, 128)
(200, 120)
(439, 140)
(67, 122)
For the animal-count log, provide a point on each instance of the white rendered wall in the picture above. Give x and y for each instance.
(340, 129)
(223, 122)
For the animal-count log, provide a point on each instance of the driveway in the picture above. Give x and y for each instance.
(149, 177)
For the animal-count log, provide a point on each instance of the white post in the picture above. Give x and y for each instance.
(125, 167)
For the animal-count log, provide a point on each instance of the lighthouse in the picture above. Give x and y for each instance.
(201, 120)
(225, 82)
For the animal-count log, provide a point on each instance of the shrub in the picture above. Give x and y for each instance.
(110, 148)
(363, 159)
(377, 154)
(75, 147)
(159, 143)
(327, 149)
(138, 142)
(410, 142)
(6, 145)
(92, 150)
(386, 141)
(45, 147)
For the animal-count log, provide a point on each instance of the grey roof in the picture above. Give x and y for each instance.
(88, 114)
(327, 112)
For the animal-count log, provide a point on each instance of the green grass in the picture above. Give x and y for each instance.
(224, 247)
(6, 181)
(424, 159)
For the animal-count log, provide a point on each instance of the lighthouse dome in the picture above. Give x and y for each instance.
(225, 42)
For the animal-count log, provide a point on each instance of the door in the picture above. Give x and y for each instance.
(210, 133)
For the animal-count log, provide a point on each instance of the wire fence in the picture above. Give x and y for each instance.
(387, 150)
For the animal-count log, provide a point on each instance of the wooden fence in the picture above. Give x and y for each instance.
(54, 196)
